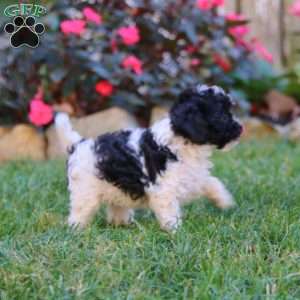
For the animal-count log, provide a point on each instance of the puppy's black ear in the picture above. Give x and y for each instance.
(187, 117)
(187, 95)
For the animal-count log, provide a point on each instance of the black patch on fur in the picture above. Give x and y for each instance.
(72, 148)
(204, 118)
(156, 156)
(119, 164)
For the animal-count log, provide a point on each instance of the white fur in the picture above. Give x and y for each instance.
(204, 88)
(183, 181)
(66, 135)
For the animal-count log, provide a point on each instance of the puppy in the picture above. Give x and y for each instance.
(160, 168)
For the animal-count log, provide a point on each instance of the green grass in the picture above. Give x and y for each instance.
(252, 252)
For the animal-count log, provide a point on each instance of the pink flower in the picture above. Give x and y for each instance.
(262, 51)
(114, 45)
(204, 4)
(191, 49)
(130, 35)
(40, 113)
(245, 44)
(238, 31)
(195, 62)
(104, 88)
(216, 3)
(92, 16)
(131, 62)
(223, 62)
(294, 9)
(209, 4)
(76, 27)
(235, 17)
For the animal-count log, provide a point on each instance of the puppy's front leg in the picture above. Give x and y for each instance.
(218, 194)
(84, 205)
(167, 211)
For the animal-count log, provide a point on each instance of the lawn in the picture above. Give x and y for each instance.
(252, 252)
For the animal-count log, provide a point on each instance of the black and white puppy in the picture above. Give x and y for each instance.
(161, 168)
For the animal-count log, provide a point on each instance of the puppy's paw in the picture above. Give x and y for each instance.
(75, 224)
(226, 202)
(172, 225)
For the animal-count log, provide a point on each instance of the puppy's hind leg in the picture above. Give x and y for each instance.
(218, 194)
(85, 202)
(118, 215)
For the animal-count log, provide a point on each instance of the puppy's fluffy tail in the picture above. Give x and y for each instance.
(66, 135)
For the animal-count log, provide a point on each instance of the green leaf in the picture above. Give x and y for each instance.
(128, 98)
(189, 29)
(58, 74)
(99, 70)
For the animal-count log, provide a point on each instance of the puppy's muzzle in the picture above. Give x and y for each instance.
(238, 130)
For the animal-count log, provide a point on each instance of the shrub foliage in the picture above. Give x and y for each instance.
(134, 53)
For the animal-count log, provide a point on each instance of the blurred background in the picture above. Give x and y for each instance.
(114, 64)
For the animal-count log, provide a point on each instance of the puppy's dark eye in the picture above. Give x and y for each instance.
(226, 104)
(230, 102)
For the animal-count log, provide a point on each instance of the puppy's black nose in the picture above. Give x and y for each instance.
(237, 130)
(240, 129)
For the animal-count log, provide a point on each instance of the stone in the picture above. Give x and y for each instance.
(294, 131)
(158, 113)
(3, 131)
(280, 105)
(254, 127)
(91, 126)
(291, 131)
(22, 142)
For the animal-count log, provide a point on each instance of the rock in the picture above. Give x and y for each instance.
(158, 113)
(254, 127)
(3, 131)
(91, 126)
(291, 131)
(294, 131)
(280, 105)
(22, 142)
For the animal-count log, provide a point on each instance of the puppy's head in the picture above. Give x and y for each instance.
(202, 115)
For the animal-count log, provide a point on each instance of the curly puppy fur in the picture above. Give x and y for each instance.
(161, 168)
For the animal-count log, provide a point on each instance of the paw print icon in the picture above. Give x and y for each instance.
(24, 32)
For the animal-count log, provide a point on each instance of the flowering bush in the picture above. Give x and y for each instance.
(40, 113)
(134, 54)
(294, 9)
